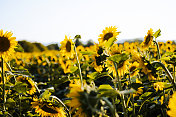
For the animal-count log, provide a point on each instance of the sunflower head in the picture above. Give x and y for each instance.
(108, 33)
(7, 43)
(47, 108)
(83, 101)
(158, 86)
(67, 47)
(30, 84)
(168, 42)
(122, 67)
(169, 48)
(115, 50)
(148, 39)
(133, 69)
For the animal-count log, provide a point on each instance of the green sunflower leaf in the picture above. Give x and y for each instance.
(157, 33)
(10, 103)
(110, 42)
(20, 87)
(45, 95)
(78, 37)
(73, 68)
(107, 91)
(59, 81)
(87, 52)
(19, 48)
(96, 75)
(118, 57)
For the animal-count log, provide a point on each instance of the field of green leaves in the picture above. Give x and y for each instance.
(107, 79)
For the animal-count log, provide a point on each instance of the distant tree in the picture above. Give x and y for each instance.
(28, 46)
(134, 40)
(40, 46)
(53, 47)
(89, 43)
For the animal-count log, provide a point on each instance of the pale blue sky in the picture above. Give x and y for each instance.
(48, 21)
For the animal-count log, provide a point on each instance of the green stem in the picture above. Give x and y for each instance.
(132, 96)
(170, 77)
(164, 101)
(110, 107)
(174, 73)
(3, 80)
(158, 51)
(20, 104)
(79, 67)
(120, 88)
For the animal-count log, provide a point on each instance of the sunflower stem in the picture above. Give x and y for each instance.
(3, 80)
(174, 73)
(158, 51)
(79, 67)
(112, 109)
(20, 104)
(132, 98)
(120, 88)
(170, 77)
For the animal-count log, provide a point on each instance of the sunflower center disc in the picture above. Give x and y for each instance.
(147, 39)
(68, 46)
(4, 44)
(48, 109)
(108, 36)
(132, 69)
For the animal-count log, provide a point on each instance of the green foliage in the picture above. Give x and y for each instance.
(110, 42)
(19, 48)
(118, 57)
(29, 47)
(45, 95)
(40, 46)
(157, 33)
(107, 91)
(53, 47)
(20, 87)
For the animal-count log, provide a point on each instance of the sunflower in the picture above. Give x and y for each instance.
(109, 32)
(133, 69)
(47, 109)
(30, 84)
(75, 90)
(110, 67)
(97, 63)
(169, 48)
(7, 44)
(67, 47)
(148, 39)
(168, 42)
(158, 86)
(172, 105)
(122, 67)
(161, 45)
(83, 100)
(115, 49)
(146, 68)
(138, 92)
(142, 64)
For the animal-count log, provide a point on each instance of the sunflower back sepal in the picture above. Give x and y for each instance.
(118, 57)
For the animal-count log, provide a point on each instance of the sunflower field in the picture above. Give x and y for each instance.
(107, 79)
